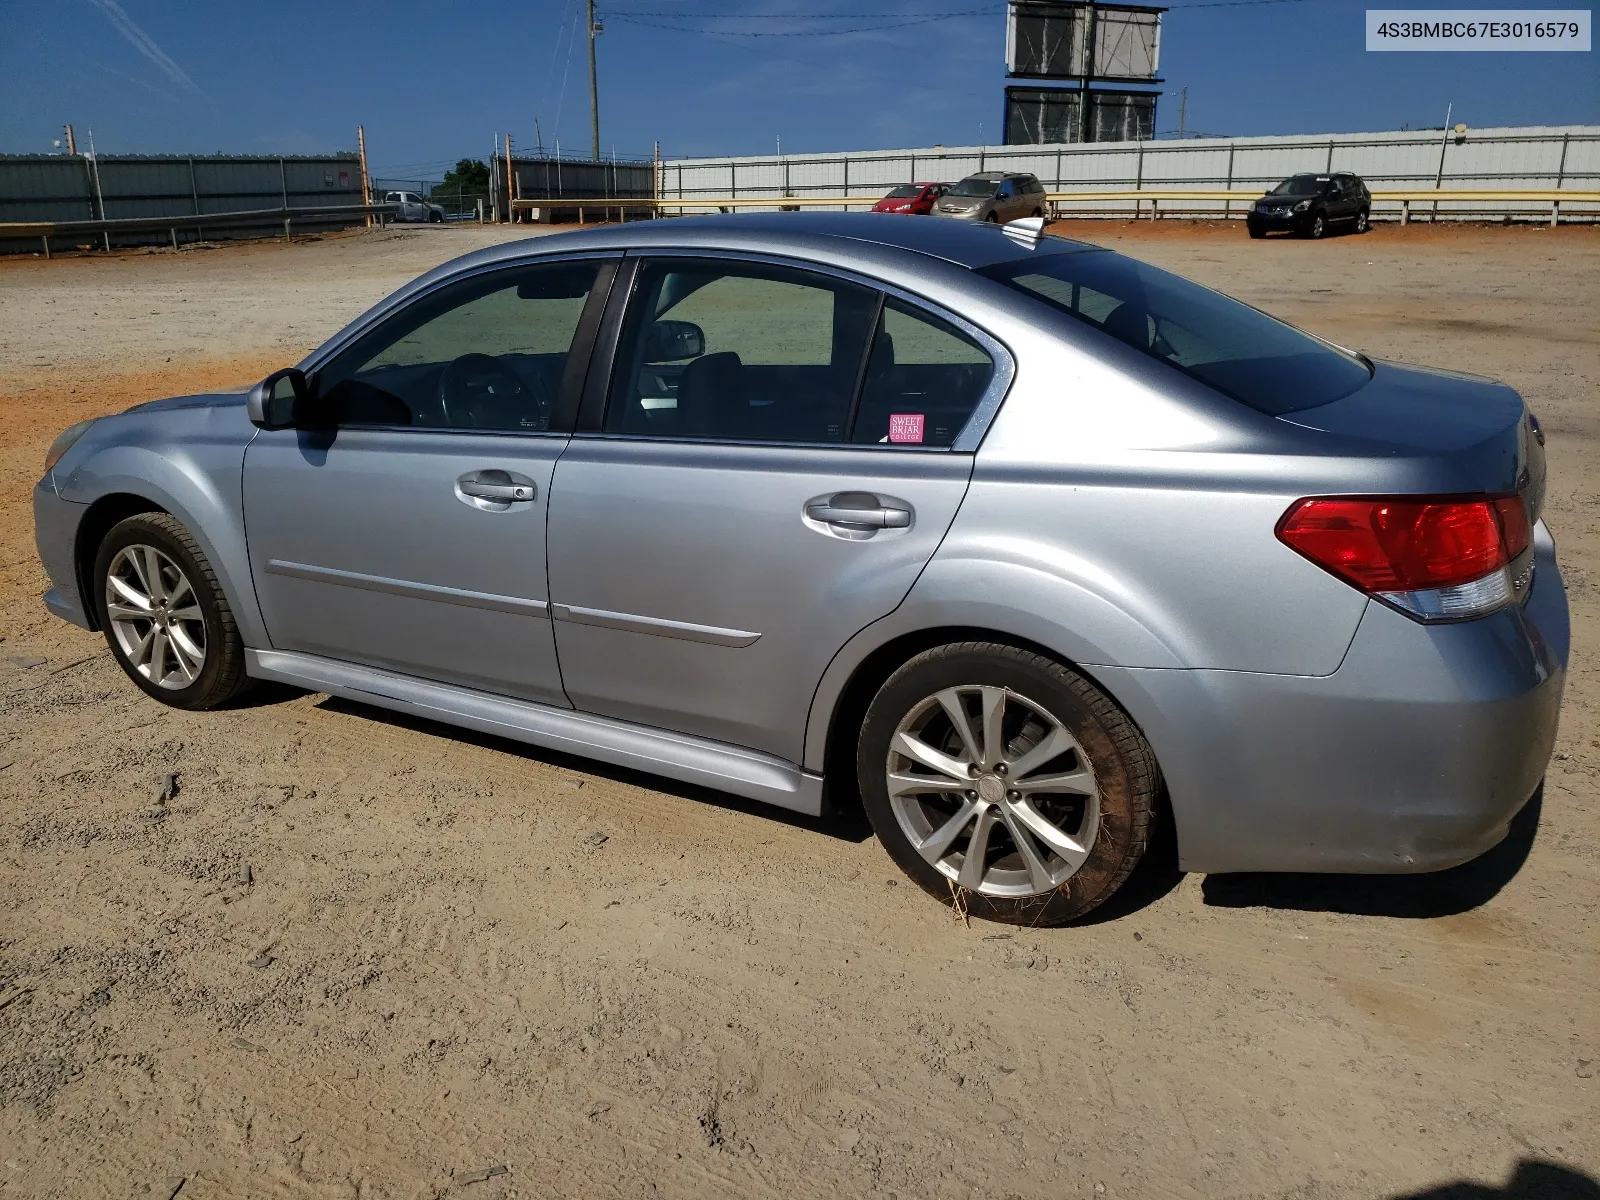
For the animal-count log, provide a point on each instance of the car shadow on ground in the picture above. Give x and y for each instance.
(1532, 1180)
(1439, 894)
(846, 824)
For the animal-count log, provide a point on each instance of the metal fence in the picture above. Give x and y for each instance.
(1534, 158)
(554, 189)
(61, 187)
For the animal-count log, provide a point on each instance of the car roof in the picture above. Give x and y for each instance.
(794, 234)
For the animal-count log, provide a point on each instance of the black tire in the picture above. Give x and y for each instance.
(1038, 212)
(1124, 768)
(221, 676)
(992, 219)
(1363, 221)
(1317, 229)
(435, 218)
(1256, 233)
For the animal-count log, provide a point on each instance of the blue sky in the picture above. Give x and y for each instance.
(434, 81)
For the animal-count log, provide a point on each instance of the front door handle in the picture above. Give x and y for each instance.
(871, 518)
(494, 490)
(508, 493)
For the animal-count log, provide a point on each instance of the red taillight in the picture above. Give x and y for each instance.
(1407, 544)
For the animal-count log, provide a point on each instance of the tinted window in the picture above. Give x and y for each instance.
(1238, 350)
(734, 350)
(1300, 185)
(923, 379)
(488, 353)
(974, 187)
(904, 193)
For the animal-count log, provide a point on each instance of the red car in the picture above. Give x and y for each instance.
(913, 198)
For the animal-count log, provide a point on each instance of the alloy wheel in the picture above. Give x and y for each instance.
(993, 791)
(155, 616)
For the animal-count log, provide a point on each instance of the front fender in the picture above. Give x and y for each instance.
(199, 480)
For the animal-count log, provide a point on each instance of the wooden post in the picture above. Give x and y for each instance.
(366, 184)
(1555, 213)
(511, 183)
(1405, 212)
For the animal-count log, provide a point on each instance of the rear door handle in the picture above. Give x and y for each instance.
(871, 518)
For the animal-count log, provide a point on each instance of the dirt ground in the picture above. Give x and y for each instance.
(366, 957)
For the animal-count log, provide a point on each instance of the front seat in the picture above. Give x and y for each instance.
(711, 399)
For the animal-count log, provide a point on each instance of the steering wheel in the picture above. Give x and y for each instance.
(474, 382)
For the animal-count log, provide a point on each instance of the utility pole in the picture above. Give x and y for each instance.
(1183, 109)
(594, 89)
(72, 142)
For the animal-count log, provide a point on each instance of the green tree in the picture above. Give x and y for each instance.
(470, 176)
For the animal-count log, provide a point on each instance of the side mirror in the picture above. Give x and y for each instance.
(669, 341)
(277, 400)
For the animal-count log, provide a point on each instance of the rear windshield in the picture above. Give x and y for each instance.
(904, 192)
(1300, 185)
(975, 187)
(1238, 350)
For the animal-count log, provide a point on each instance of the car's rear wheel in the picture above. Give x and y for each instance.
(1006, 784)
(165, 618)
(1362, 219)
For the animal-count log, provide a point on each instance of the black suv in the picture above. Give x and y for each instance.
(1310, 205)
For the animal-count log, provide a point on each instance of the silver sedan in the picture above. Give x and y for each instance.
(1020, 544)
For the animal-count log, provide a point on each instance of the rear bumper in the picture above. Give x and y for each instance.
(55, 533)
(1413, 756)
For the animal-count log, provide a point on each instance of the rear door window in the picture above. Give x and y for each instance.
(751, 352)
(924, 377)
(1238, 350)
(740, 351)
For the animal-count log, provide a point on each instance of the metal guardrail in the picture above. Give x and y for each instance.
(1537, 199)
(45, 230)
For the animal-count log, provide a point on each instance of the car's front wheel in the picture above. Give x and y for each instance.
(165, 618)
(1318, 227)
(1006, 784)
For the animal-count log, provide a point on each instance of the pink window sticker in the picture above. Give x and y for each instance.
(905, 427)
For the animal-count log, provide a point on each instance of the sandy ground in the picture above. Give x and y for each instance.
(363, 957)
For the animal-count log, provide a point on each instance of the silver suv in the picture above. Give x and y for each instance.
(995, 196)
(1023, 545)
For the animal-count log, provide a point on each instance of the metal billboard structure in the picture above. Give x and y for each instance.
(1086, 43)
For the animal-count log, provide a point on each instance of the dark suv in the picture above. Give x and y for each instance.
(1310, 205)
